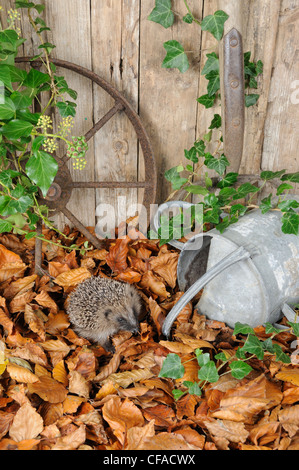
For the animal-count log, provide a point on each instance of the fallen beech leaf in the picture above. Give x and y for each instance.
(27, 424)
(109, 369)
(186, 406)
(193, 342)
(124, 379)
(51, 412)
(262, 430)
(12, 269)
(107, 389)
(5, 422)
(71, 441)
(57, 322)
(289, 415)
(192, 437)
(78, 384)
(20, 286)
(7, 256)
(122, 416)
(138, 434)
(175, 347)
(56, 346)
(48, 389)
(165, 441)
(60, 374)
(72, 277)
(129, 275)
(72, 403)
(35, 323)
(163, 415)
(151, 282)
(230, 430)
(166, 266)
(21, 374)
(20, 301)
(289, 375)
(44, 299)
(117, 256)
(6, 322)
(157, 314)
(31, 352)
(55, 268)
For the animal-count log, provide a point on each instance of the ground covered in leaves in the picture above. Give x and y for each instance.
(58, 391)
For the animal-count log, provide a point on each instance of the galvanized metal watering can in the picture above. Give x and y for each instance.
(250, 272)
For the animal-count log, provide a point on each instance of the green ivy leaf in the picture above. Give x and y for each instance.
(254, 346)
(172, 367)
(290, 223)
(188, 18)
(269, 329)
(175, 57)
(283, 187)
(42, 168)
(16, 129)
(295, 328)
(245, 189)
(5, 226)
(66, 108)
(7, 109)
(35, 78)
(266, 204)
(292, 177)
(208, 372)
(280, 355)
(214, 82)
(212, 64)
(207, 101)
(200, 147)
(162, 13)
(251, 100)
(216, 122)
(228, 180)
(215, 24)
(191, 155)
(217, 164)
(243, 329)
(193, 388)
(197, 189)
(270, 175)
(288, 204)
(240, 369)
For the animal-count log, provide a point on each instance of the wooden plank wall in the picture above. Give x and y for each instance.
(114, 39)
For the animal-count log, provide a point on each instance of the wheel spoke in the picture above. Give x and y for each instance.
(98, 125)
(94, 240)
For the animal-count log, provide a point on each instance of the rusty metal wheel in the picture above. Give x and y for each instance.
(60, 192)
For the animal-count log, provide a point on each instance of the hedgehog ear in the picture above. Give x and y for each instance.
(107, 313)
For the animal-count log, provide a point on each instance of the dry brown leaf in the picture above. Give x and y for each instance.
(176, 347)
(138, 434)
(124, 379)
(60, 374)
(289, 375)
(192, 437)
(49, 389)
(57, 322)
(157, 314)
(20, 301)
(164, 416)
(12, 269)
(109, 388)
(55, 268)
(27, 424)
(21, 374)
(44, 299)
(262, 430)
(51, 412)
(166, 266)
(7, 256)
(6, 419)
(129, 275)
(230, 430)
(166, 441)
(72, 403)
(31, 352)
(154, 285)
(121, 416)
(6, 322)
(72, 440)
(72, 277)
(20, 286)
(117, 256)
(56, 346)
(35, 322)
(78, 384)
(193, 342)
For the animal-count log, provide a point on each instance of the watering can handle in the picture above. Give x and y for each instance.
(232, 82)
(162, 208)
(237, 255)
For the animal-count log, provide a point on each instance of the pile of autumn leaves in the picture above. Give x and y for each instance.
(58, 391)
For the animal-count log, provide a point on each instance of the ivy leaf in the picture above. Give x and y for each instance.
(266, 204)
(295, 328)
(239, 369)
(254, 346)
(251, 100)
(175, 57)
(162, 13)
(243, 329)
(270, 175)
(283, 187)
(172, 367)
(7, 109)
(269, 329)
(216, 122)
(290, 223)
(238, 209)
(66, 108)
(191, 155)
(197, 189)
(193, 388)
(35, 78)
(285, 206)
(42, 168)
(292, 177)
(208, 372)
(214, 82)
(280, 355)
(228, 180)
(215, 24)
(207, 101)
(200, 148)
(188, 18)
(212, 64)
(245, 189)
(5, 226)
(17, 128)
(217, 164)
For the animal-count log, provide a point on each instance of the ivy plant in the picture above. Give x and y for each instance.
(210, 369)
(28, 141)
(231, 199)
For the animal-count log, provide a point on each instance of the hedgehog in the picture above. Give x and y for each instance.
(100, 307)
